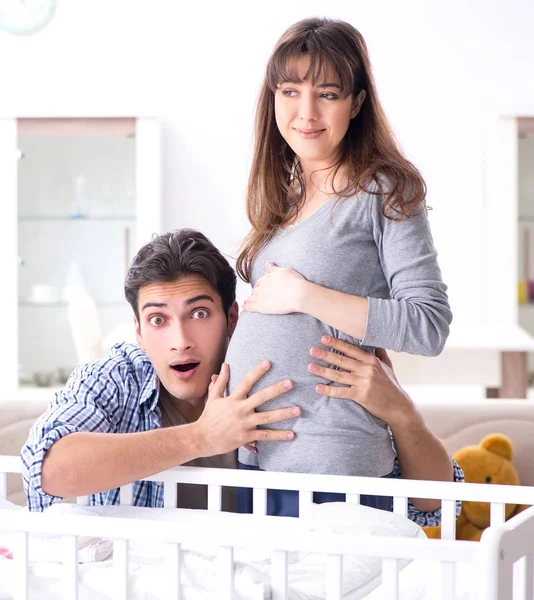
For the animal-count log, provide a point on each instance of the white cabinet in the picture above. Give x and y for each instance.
(492, 353)
(78, 197)
(526, 229)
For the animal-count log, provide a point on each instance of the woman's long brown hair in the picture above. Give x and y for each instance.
(369, 153)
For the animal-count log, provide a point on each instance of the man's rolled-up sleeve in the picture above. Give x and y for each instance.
(432, 519)
(85, 405)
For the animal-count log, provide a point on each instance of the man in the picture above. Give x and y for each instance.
(159, 404)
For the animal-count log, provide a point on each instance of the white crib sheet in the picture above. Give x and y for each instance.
(417, 582)
(148, 571)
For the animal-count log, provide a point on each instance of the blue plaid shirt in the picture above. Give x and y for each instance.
(118, 395)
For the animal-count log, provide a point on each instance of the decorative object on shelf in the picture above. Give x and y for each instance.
(43, 378)
(530, 282)
(80, 209)
(43, 293)
(73, 282)
(64, 373)
(85, 327)
(24, 17)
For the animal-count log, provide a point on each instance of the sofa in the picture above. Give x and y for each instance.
(457, 424)
(16, 419)
(460, 424)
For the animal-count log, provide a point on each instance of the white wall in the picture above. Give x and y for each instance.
(443, 69)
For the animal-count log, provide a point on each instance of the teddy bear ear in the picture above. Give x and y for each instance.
(498, 444)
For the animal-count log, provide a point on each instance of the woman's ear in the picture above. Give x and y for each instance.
(357, 103)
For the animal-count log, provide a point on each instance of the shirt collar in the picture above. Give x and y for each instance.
(149, 392)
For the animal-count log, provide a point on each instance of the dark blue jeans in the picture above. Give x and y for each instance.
(285, 503)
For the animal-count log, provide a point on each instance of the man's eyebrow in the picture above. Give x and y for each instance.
(153, 305)
(188, 302)
(198, 298)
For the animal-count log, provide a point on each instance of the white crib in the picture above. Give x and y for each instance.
(502, 560)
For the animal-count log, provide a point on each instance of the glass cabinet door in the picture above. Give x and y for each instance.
(82, 190)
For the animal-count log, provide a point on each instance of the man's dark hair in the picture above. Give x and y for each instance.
(172, 255)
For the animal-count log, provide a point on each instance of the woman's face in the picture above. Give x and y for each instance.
(313, 119)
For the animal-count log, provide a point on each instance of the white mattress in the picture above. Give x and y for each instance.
(149, 572)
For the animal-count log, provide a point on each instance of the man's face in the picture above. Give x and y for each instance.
(184, 330)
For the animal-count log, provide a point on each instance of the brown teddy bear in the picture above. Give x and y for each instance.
(489, 462)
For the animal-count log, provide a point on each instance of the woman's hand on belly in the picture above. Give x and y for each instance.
(279, 292)
(365, 379)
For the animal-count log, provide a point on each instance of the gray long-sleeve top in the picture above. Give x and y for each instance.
(351, 247)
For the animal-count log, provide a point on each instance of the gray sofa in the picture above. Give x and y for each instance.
(457, 424)
(16, 419)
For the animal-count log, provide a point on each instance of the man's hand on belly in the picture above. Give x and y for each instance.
(231, 421)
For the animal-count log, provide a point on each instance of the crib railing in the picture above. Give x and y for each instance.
(503, 558)
(122, 531)
(401, 489)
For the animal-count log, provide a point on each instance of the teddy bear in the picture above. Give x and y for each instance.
(489, 462)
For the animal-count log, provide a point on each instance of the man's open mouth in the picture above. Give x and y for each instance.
(185, 367)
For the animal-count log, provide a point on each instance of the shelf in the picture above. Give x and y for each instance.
(77, 219)
(498, 337)
(26, 304)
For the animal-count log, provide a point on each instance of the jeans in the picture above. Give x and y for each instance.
(285, 503)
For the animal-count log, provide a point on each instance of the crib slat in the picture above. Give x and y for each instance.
(497, 513)
(170, 495)
(448, 519)
(528, 578)
(120, 565)
(506, 581)
(390, 578)
(215, 498)
(334, 577)
(127, 494)
(225, 568)
(353, 498)
(305, 502)
(20, 554)
(279, 575)
(3, 486)
(448, 580)
(523, 578)
(70, 567)
(400, 506)
(174, 571)
(259, 501)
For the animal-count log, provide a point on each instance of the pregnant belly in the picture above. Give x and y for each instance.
(286, 340)
(332, 435)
